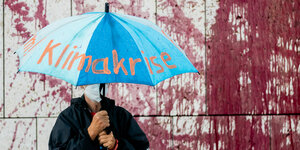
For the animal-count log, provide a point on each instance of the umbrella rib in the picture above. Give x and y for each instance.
(93, 21)
(62, 26)
(153, 27)
(138, 20)
(136, 46)
(85, 27)
(138, 30)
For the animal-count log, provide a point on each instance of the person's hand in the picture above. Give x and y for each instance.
(99, 123)
(108, 141)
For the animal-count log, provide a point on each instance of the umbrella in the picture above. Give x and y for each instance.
(104, 47)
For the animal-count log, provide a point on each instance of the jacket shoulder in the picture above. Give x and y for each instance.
(122, 113)
(66, 112)
(121, 109)
(72, 109)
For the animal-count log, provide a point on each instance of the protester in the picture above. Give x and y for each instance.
(93, 122)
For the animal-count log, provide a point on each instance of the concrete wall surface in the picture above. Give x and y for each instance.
(246, 96)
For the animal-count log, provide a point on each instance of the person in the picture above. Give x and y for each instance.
(93, 122)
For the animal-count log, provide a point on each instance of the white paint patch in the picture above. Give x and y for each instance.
(142, 97)
(232, 125)
(241, 79)
(285, 128)
(298, 127)
(249, 118)
(125, 90)
(245, 51)
(204, 146)
(293, 125)
(166, 84)
(244, 78)
(270, 105)
(291, 87)
(205, 126)
(219, 128)
(264, 120)
(186, 126)
(221, 144)
(211, 12)
(165, 122)
(203, 107)
(239, 22)
(288, 141)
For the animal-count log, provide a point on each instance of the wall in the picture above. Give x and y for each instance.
(246, 96)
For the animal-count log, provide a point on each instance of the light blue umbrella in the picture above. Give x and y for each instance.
(104, 47)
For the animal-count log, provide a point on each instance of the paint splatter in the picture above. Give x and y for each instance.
(286, 129)
(81, 7)
(157, 127)
(30, 125)
(22, 10)
(40, 14)
(221, 132)
(253, 58)
(15, 134)
(21, 15)
(183, 94)
(134, 8)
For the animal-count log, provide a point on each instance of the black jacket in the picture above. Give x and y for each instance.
(70, 130)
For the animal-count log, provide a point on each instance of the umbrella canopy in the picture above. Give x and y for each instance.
(101, 47)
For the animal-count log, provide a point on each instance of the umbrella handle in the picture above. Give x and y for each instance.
(107, 7)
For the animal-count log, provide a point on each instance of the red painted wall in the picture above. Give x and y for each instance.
(247, 93)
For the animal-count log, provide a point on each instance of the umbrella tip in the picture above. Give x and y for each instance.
(107, 7)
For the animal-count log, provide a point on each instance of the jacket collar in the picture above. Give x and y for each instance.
(106, 103)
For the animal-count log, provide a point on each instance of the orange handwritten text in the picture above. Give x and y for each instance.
(49, 50)
(30, 44)
(117, 64)
(101, 65)
(165, 60)
(132, 65)
(105, 66)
